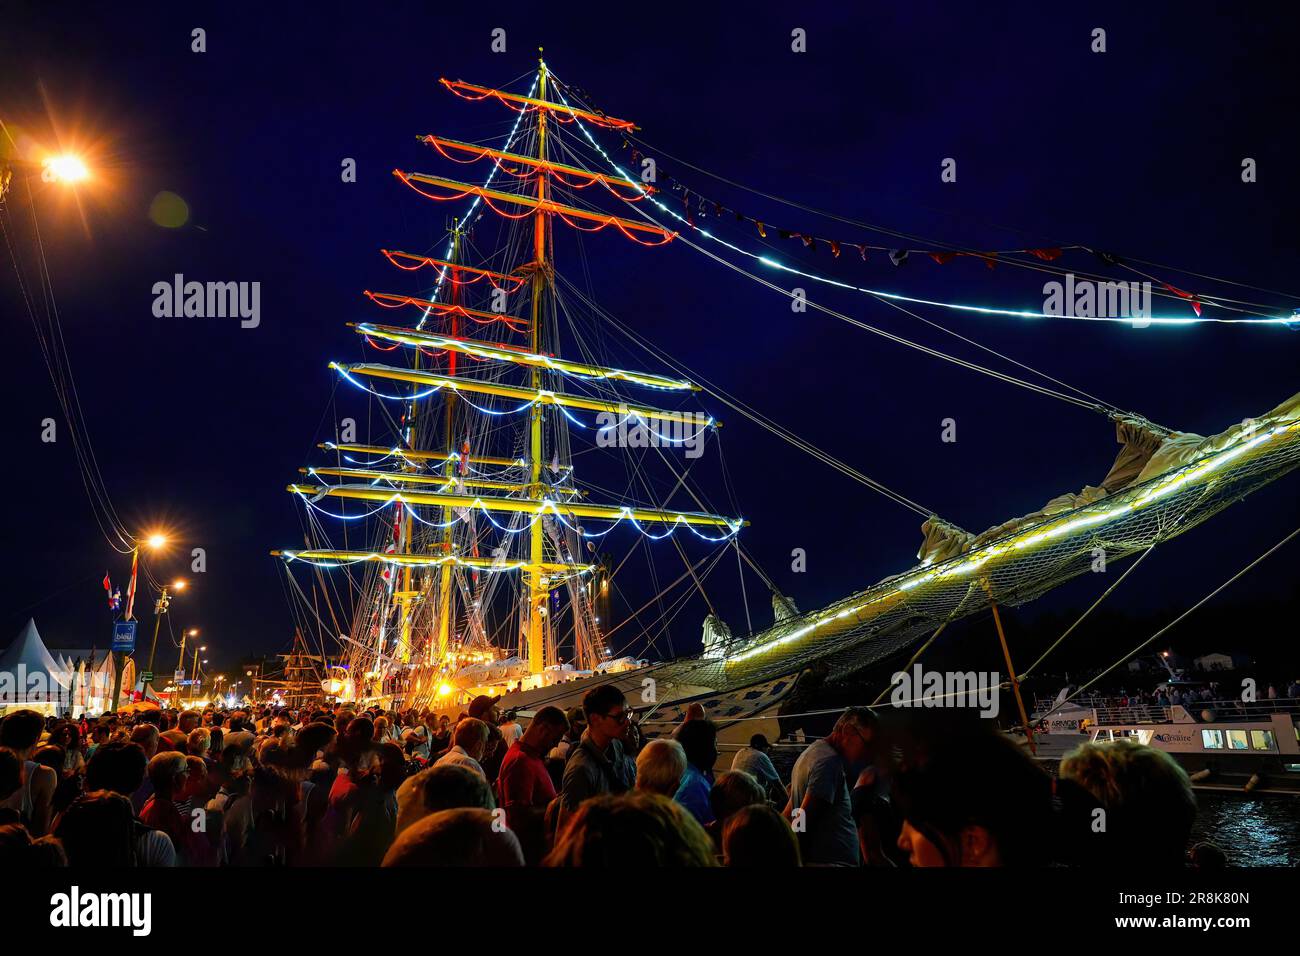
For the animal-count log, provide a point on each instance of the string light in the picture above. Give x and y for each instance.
(1160, 488)
(1291, 321)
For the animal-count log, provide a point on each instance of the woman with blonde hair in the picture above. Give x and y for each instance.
(631, 831)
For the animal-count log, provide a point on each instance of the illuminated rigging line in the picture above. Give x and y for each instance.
(857, 322)
(1150, 640)
(55, 353)
(871, 227)
(1256, 319)
(745, 410)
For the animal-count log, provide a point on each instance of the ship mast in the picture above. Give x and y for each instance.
(446, 571)
(439, 476)
(535, 580)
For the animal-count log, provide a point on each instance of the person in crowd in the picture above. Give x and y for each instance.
(1147, 799)
(217, 744)
(169, 773)
(757, 837)
(67, 736)
(441, 741)
(68, 786)
(374, 824)
(194, 794)
(756, 761)
(1208, 857)
(660, 766)
(973, 798)
(699, 738)
(415, 739)
(819, 793)
(147, 736)
(98, 831)
(11, 782)
(189, 721)
(266, 827)
(99, 734)
(485, 708)
(470, 741)
(877, 819)
(18, 851)
(119, 766)
(631, 832)
(524, 788)
(731, 793)
(448, 787)
(20, 731)
(511, 729)
(559, 755)
(467, 836)
(596, 765)
(199, 743)
(173, 739)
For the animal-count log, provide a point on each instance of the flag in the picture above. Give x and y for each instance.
(130, 588)
(108, 589)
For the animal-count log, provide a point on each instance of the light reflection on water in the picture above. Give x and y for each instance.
(1252, 831)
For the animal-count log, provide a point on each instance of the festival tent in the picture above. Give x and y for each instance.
(99, 683)
(29, 676)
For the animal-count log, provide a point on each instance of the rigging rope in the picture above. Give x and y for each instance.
(1150, 640)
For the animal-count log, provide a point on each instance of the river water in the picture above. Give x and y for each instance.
(1252, 831)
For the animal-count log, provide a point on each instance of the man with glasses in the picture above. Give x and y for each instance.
(596, 765)
(820, 808)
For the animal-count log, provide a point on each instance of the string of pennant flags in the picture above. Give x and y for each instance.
(695, 205)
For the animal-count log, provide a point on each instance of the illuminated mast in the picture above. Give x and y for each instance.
(537, 584)
(440, 477)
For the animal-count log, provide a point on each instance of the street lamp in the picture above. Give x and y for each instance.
(194, 673)
(159, 609)
(66, 168)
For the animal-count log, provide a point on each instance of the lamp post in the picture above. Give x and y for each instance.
(159, 609)
(195, 672)
(154, 542)
(180, 659)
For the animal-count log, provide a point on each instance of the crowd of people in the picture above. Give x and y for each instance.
(331, 785)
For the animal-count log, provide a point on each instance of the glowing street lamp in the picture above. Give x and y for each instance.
(159, 609)
(66, 168)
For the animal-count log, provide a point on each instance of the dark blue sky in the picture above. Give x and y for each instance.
(199, 424)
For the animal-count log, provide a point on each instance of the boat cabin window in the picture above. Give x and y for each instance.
(1262, 740)
(1212, 739)
(1237, 740)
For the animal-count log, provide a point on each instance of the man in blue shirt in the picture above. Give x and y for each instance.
(820, 809)
(699, 738)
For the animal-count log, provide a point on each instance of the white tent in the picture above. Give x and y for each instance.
(99, 683)
(29, 676)
(1214, 662)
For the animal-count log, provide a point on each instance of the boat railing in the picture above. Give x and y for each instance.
(1234, 709)
(1117, 712)
(1120, 710)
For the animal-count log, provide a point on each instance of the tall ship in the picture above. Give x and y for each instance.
(461, 528)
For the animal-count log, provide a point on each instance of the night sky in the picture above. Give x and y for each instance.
(198, 424)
